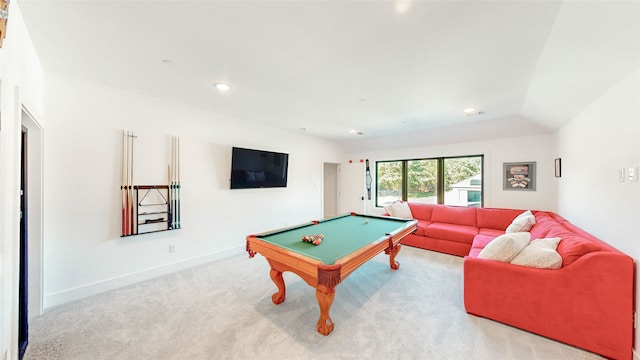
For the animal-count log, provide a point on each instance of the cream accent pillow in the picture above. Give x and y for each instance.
(399, 209)
(505, 247)
(522, 222)
(540, 253)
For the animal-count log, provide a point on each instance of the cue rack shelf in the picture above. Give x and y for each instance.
(152, 209)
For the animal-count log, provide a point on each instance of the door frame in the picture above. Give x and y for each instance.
(23, 287)
(35, 206)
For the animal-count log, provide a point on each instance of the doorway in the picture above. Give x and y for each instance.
(30, 291)
(330, 190)
(352, 187)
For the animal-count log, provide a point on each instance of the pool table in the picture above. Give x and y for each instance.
(349, 241)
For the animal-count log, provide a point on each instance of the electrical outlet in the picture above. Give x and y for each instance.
(621, 174)
(172, 248)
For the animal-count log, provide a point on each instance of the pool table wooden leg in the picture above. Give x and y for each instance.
(276, 276)
(392, 257)
(325, 297)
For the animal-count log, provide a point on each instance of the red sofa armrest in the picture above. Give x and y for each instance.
(588, 304)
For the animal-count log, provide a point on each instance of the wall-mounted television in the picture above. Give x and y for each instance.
(258, 169)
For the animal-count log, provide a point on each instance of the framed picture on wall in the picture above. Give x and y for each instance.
(558, 167)
(519, 176)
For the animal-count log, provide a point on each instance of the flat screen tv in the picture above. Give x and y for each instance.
(258, 169)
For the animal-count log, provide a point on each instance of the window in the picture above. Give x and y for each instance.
(422, 181)
(450, 181)
(388, 182)
(462, 175)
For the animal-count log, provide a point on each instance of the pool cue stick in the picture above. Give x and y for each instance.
(126, 186)
(134, 201)
(173, 181)
(178, 182)
(122, 188)
(171, 177)
(129, 183)
(129, 177)
(169, 199)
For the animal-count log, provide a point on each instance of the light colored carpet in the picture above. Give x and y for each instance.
(223, 310)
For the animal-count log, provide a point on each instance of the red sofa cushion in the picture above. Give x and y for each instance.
(541, 215)
(474, 252)
(542, 227)
(572, 247)
(459, 233)
(454, 215)
(422, 224)
(496, 218)
(557, 230)
(557, 217)
(480, 241)
(421, 211)
(490, 232)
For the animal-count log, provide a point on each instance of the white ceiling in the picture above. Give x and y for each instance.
(529, 65)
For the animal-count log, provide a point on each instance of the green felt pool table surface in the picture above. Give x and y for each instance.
(343, 235)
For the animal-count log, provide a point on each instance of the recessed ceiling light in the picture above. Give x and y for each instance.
(222, 86)
(353, 131)
(402, 6)
(472, 111)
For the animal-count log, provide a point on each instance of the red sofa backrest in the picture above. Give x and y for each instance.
(493, 218)
(454, 215)
(575, 241)
(421, 211)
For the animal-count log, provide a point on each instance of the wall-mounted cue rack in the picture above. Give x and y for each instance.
(149, 208)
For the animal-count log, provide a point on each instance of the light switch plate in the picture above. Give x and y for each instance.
(633, 173)
(621, 174)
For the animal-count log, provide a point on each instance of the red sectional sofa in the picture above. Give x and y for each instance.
(587, 303)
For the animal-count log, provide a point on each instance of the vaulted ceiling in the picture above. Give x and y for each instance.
(399, 73)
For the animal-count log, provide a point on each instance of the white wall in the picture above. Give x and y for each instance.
(84, 252)
(21, 85)
(539, 148)
(604, 138)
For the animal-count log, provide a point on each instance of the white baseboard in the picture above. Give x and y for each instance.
(80, 292)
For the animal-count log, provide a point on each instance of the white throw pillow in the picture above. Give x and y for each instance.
(540, 253)
(505, 247)
(522, 222)
(389, 207)
(399, 209)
